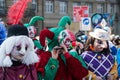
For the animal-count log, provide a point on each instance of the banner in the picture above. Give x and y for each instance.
(79, 12)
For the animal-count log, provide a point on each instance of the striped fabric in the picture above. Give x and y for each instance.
(98, 63)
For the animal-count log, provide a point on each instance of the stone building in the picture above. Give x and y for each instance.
(53, 10)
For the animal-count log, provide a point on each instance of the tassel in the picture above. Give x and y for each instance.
(7, 61)
(16, 11)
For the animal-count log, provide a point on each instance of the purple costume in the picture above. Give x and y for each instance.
(98, 63)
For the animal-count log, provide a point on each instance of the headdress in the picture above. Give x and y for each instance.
(53, 33)
(61, 26)
(16, 12)
(100, 34)
(16, 30)
(33, 20)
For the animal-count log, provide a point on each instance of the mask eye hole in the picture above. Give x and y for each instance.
(99, 42)
(26, 47)
(64, 34)
(18, 47)
(29, 29)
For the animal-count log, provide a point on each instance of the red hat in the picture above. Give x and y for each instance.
(43, 34)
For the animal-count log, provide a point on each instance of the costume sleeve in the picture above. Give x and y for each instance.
(81, 60)
(47, 66)
(51, 69)
(37, 44)
(75, 68)
(118, 61)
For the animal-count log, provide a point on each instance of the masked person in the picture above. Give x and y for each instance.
(32, 30)
(97, 54)
(57, 63)
(17, 55)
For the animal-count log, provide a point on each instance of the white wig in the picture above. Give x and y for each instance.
(8, 45)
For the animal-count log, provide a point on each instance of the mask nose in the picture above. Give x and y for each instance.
(22, 51)
(104, 45)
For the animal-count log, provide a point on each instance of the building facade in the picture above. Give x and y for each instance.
(53, 10)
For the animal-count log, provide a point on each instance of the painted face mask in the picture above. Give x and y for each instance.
(66, 37)
(32, 31)
(19, 50)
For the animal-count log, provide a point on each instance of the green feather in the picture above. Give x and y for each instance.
(63, 21)
(26, 25)
(34, 19)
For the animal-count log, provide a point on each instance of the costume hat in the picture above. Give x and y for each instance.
(96, 19)
(61, 26)
(100, 34)
(33, 20)
(45, 34)
(16, 30)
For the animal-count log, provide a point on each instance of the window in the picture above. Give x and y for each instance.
(49, 6)
(76, 4)
(100, 8)
(111, 8)
(34, 5)
(63, 7)
(2, 3)
(90, 5)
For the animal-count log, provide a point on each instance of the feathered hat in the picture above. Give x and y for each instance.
(16, 12)
(14, 19)
(2, 33)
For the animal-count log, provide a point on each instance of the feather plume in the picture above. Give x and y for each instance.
(34, 19)
(16, 11)
(63, 21)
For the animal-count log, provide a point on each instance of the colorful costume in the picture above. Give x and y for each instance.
(99, 21)
(98, 63)
(66, 66)
(18, 56)
(99, 60)
(32, 30)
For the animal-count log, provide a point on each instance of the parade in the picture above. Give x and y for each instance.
(58, 53)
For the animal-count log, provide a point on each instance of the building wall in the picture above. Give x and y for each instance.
(52, 19)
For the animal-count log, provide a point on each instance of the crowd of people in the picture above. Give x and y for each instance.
(59, 53)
